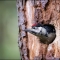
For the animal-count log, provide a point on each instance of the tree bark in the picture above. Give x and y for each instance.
(42, 11)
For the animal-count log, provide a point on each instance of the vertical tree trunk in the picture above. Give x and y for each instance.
(42, 11)
(22, 38)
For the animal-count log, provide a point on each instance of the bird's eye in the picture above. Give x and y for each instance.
(33, 27)
(36, 27)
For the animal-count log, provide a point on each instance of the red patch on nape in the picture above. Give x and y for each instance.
(34, 24)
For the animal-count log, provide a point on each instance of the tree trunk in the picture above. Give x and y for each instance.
(42, 11)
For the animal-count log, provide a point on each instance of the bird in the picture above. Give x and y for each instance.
(45, 32)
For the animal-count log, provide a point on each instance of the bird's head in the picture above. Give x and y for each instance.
(36, 29)
(46, 33)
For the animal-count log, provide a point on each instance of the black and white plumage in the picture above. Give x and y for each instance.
(46, 33)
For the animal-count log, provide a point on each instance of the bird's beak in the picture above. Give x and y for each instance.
(32, 31)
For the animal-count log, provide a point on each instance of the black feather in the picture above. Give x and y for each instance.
(50, 28)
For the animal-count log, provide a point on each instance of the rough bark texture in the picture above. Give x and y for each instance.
(42, 11)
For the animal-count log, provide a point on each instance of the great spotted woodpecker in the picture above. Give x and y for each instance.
(46, 33)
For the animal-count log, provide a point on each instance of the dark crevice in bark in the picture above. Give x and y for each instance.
(25, 1)
(22, 2)
(47, 4)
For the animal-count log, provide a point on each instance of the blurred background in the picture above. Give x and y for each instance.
(8, 30)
